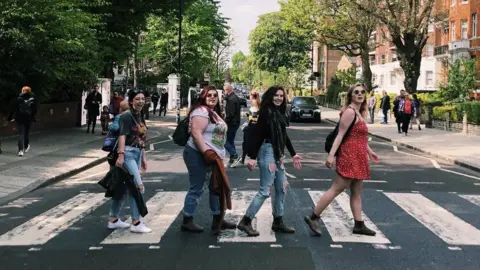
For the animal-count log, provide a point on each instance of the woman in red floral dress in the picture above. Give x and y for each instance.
(352, 161)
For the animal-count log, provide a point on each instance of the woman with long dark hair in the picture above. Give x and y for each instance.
(208, 131)
(352, 161)
(270, 138)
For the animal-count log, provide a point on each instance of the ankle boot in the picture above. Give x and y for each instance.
(360, 228)
(279, 226)
(189, 226)
(312, 222)
(245, 226)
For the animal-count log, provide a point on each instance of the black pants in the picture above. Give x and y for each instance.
(163, 108)
(154, 107)
(146, 111)
(91, 120)
(385, 115)
(23, 135)
(406, 122)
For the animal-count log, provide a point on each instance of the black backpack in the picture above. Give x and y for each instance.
(25, 107)
(181, 135)
(331, 137)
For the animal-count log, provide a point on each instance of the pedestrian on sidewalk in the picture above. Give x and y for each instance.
(163, 103)
(252, 116)
(24, 113)
(208, 132)
(132, 157)
(105, 119)
(416, 116)
(232, 117)
(148, 103)
(92, 105)
(268, 145)
(372, 101)
(115, 103)
(403, 109)
(352, 161)
(385, 106)
(155, 99)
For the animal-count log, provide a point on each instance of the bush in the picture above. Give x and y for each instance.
(440, 112)
(332, 92)
(472, 108)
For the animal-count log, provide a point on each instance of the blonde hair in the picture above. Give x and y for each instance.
(26, 89)
(124, 106)
(255, 98)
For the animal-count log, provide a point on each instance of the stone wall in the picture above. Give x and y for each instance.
(454, 126)
(49, 117)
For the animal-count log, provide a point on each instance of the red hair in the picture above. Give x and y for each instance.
(26, 89)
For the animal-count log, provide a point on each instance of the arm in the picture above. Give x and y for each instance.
(199, 124)
(229, 111)
(345, 122)
(289, 145)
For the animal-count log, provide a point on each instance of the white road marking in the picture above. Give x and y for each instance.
(253, 179)
(173, 128)
(263, 221)
(375, 181)
(151, 147)
(34, 249)
(338, 219)
(152, 181)
(394, 247)
(414, 191)
(476, 184)
(380, 246)
(290, 175)
(336, 246)
(170, 137)
(369, 139)
(163, 209)
(95, 248)
(430, 183)
(154, 247)
(444, 224)
(317, 179)
(455, 248)
(275, 246)
(435, 164)
(213, 246)
(475, 199)
(79, 180)
(42, 228)
(329, 180)
(21, 203)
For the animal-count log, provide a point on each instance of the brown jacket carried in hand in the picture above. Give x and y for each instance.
(219, 180)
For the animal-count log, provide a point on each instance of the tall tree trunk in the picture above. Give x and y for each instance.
(366, 70)
(135, 61)
(410, 53)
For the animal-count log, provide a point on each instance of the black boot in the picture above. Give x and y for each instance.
(313, 224)
(279, 226)
(245, 226)
(189, 226)
(360, 228)
(88, 129)
(216, 227)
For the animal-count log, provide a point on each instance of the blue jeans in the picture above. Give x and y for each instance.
(230, 143)
(132, 162)
(198, 174)
(372, 114)
(268, 177)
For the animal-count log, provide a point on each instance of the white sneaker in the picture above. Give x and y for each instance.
(236, 162)
(118, 225)
(140, 228)
(28, 148)
(20, 153)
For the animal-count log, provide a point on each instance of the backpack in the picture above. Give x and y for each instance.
(331, 137)
(407, 106)
(25, 107)
(181, 135)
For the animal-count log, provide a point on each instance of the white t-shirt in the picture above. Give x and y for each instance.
(215, 135)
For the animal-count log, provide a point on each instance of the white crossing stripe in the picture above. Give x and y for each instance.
(429, 183)
(163, 209)
(263, 221)
(253, 179)
(42, 228)
(317, 179)
(475, 199)
(338, 219)
(444, 224)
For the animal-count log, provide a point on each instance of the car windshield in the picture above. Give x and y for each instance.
(304, 101)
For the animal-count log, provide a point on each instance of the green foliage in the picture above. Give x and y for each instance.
(472, 109)
(333, 92)
(441, 112)
(347, 77)
(462, 79)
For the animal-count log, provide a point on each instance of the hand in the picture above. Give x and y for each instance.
(297, 162)
(330, 161)
(120, 161)
(373, 157)
(251, 164)
(141, 188)
(144, 165)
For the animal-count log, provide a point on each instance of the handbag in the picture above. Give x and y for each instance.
(110, 142)
(380, 114)
(333, 135)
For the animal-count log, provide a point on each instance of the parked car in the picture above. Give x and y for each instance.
(305, 108)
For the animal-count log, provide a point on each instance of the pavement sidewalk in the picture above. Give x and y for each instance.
(56, 155)
(453, 147)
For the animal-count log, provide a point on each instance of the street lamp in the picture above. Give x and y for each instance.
(180, 20)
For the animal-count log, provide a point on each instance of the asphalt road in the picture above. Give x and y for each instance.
(426, 213)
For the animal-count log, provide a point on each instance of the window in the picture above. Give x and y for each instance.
(464, 29)
(453, 2)
(382, 78)
(374, 78)
(393, 79)
(431, 27)
(452, 36)
(383, 59)
(474, 25)
(394, 57)
(429, 51)
(463, 1)
(372, 60)
(429, 78)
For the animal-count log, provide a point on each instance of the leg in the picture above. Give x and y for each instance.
(94, 123)
(218, 223)
(230, 145)
(21, 137)
(26, 137)
(356, 206)
(338, 186)
(406, 122)
(114, 221)
(279, 200)
(385, 116)
(197, 174)
(418, 123)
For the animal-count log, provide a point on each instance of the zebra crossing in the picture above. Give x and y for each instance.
(165, 210)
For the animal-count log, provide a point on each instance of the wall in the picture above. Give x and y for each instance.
(472, 129)
(49, 117)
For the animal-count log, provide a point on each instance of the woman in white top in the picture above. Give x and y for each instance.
(208, 131)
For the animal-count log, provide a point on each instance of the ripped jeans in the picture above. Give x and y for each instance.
(271, 173)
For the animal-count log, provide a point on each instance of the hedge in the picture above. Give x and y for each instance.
(440, 112)
(472, 108)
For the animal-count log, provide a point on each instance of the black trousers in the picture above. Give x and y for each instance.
(406, 122)
(91, 120)
(385, 115)
(163, 108)
(23, 135)
(154, 107)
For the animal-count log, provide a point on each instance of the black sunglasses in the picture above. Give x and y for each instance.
(356, 92)
(212, 95)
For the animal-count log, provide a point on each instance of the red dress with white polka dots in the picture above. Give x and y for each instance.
(352, 158)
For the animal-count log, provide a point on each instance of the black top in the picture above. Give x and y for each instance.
(25, 109)
(262, 133)
(133, 127)
(232, 109)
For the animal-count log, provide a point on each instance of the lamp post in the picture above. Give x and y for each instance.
(180, 20)
(311, 76)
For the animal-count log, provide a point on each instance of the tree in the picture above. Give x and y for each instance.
(347, 77)
(239, 62)
(221, 56)
(462, 80)
(335, 23)
(273, 47)
(407, 23)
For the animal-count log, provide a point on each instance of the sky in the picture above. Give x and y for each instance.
(243, 16)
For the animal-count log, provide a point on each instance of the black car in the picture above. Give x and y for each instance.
(305, 108)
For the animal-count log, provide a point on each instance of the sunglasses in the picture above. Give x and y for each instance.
(356, 92)
(212, 95)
